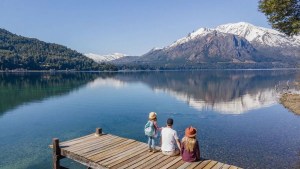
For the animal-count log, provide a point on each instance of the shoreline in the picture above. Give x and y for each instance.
(158, 70)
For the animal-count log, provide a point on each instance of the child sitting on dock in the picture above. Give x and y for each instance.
(151, 130)
(190, 151)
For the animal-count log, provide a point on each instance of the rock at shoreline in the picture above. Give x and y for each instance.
(291, 102)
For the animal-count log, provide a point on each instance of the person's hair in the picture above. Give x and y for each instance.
(170, 122)
(155, 119)
(189, 143)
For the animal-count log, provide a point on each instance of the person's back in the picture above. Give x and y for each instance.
(168, 136)
(169, 139)
(190, 150)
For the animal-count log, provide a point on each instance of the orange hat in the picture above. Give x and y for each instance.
(152, 115)
(190, 132)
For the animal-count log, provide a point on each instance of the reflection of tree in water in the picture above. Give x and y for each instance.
(19, 88)
(212, 86)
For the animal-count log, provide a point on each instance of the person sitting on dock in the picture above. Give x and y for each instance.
(190, 151)
(168, 139)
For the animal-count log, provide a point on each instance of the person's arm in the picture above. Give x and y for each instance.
(178, 144)
(177, 140)
(182, 148)
(156, 126)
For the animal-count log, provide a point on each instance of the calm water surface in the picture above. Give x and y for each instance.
(237, 113)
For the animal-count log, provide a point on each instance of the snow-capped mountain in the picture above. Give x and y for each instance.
(104, 58)
(191, 36)
(260, 35)
(254, 34)
(237, 45)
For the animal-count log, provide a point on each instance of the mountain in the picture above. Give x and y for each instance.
(259, 35)
(18, 52)
(208, 46)
(239, 45)
(268, 41)
(104, 58)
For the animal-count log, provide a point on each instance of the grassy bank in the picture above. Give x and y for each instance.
(291, 101)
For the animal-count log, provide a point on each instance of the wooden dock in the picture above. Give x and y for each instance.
(102, 151)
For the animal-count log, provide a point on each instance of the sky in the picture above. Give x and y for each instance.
(132, 27)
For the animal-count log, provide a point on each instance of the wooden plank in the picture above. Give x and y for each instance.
(202, 164)
(232, 167)
(65, 143)
(109, 147)
(79, 145)
(194, 164)
(210, 165)
(107, 154)
(94, 143)
(156, 157)
(79, 138)
(163, 163)
(171, 163)
(132, 161)
(155, 163)
(116, 153)
(218, 165)
(225, 166)
(176, 165)
(142, 161)
(125, 153)
(97, 147)
(75, 141)
(143, 151)
(82, 142)
(83, 160)
(184, 165)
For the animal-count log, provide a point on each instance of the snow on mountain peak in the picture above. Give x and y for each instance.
(254, 34)
(193, 35)
(260, 35)
(104, 58)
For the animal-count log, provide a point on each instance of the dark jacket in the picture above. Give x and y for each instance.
(190, 156)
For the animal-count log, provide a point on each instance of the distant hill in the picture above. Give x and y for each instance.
(239, 45)
(18, 52)
(104, 58)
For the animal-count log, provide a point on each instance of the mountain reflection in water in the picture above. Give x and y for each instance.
(228, 92)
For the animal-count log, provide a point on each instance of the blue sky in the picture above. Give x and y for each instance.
(132, 27)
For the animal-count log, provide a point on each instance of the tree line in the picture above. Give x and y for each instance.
(17, 52)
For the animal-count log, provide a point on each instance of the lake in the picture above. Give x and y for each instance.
(236, 112)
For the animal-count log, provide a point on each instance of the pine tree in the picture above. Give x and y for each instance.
(283, 15)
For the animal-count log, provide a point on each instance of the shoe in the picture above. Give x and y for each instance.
(150, 149)
(154, 150)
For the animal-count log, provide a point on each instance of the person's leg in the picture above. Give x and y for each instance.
(149, 143)
(153, 143)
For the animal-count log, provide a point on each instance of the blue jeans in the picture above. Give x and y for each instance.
(151, 142)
